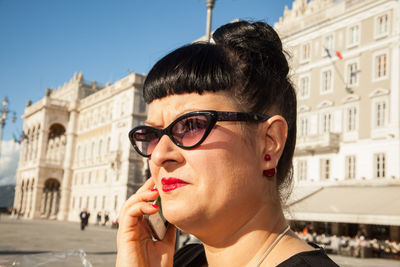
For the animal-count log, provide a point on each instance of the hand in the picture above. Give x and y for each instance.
(134, 243)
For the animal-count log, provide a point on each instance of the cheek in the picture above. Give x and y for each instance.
(226, 161)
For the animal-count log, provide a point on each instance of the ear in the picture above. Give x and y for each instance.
(275, 131)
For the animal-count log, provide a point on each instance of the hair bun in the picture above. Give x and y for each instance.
(253, 41)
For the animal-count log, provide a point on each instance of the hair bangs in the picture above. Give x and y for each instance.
(195, 68)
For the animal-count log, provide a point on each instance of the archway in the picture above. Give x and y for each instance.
(50, 199)
(56, 143)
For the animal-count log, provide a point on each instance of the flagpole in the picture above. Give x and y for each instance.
(348, 89)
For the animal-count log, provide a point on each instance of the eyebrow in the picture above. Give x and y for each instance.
(183, 112)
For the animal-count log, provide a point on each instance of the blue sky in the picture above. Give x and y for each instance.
(43, 42)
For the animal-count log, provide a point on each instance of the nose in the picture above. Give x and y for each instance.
(165, 151)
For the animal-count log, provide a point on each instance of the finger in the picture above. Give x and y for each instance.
(148, 185)
(140, 197)
(132, 215)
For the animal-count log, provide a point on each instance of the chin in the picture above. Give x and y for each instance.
(182, 217)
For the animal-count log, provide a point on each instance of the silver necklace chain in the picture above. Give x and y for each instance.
(273, 245)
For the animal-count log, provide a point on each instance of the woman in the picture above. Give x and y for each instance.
(220, 136)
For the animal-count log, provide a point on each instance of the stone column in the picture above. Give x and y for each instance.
(24, 201)
(43, 202)
(28, 202)
(69, 156)
(53, 210)
(37, 192)
(48, 204)
(17, 197)
(21, 200)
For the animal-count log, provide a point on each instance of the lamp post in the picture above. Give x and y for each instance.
(4, 116)
(210, 5)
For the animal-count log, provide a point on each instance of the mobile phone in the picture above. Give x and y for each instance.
(157, 222)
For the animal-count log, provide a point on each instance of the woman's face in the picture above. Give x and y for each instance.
(220, 182)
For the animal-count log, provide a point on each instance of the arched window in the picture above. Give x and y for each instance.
(108, 144)
(92, 150)
(100, 148)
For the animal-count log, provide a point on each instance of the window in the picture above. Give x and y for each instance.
(87, 201)
(115, 202)
(139, 104)
(304, 87)
(103, 202)
(350, 165)
(380, 114)
(382, 26)
(351, 119)
(123, 104)
(352, 74)
(328, 44)
(380, 66)
(325, 166)
(353, 35)
(326, 122)
(80, 202)
(303, 131)
(108, 144)
(326, 81)
(380, 165)
(302, 170)
(305, 52)
(99, 151)
(94, 202)
(92, 151)
(84, 153)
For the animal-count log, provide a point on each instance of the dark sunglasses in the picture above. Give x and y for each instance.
(188, 131)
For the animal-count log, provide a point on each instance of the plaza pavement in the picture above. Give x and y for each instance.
(34, 240)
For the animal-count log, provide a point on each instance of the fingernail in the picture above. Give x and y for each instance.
(155, 206)
(154, 189)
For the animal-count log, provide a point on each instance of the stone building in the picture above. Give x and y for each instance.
(345, 59)
(75, 152)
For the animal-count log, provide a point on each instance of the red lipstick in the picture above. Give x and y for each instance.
(171, 183)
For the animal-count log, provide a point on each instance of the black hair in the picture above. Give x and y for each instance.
(247, 60)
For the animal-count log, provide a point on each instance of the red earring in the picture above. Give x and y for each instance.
(270, 172)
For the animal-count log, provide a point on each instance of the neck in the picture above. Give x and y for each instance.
(246, 245)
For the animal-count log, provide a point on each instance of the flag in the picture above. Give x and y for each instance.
(339, 55)
(16, 140)
(21, 138)
(328, 53)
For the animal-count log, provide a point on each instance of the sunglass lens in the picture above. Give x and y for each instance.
(189, 131)
(145, 139)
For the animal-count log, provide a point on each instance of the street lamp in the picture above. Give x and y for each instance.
(210, 5)
(3, 118)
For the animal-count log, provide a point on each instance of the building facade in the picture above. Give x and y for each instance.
(75, 152)
(345, 59)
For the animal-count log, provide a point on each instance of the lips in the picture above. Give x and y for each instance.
(171, 183)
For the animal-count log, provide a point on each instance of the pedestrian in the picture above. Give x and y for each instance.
(98, 218)
(84, 215)
(106, 218)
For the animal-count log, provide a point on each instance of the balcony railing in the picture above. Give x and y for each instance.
(322, 143)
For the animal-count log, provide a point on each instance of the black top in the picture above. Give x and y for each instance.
(193, 255)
